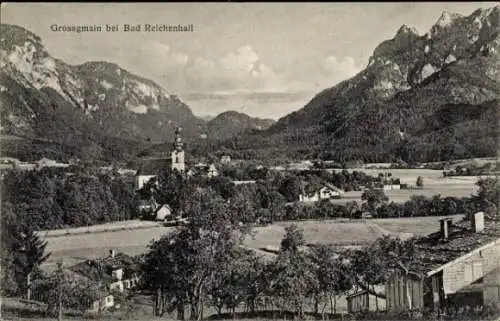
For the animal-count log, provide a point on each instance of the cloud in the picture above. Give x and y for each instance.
(241, 61)
(323, 72)
(239, 71)
(159, 48)
(341, 69)
(181, 59)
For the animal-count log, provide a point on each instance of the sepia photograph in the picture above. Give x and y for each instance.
(287, 161)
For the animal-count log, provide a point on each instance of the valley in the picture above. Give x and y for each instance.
(135, 184)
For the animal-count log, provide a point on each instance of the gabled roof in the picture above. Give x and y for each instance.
(333, 188)
(163, 206)
(311, 189)
(100, 269)
(153, 166)
(433, 253)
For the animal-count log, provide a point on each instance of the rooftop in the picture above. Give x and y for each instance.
(153, 166)
(433, 251)
(100, 269)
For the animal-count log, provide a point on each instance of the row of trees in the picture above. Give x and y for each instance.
(22, 253)
(275, 198)
(473, 170)
(50, 198)
(289, 183)
(204, 263)
(47, 199)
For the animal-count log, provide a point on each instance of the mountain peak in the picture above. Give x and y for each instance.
(447, 18)
(484, 12)
(406, 30)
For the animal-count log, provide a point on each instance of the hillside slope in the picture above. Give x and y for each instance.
(96, 109)
(232, 123)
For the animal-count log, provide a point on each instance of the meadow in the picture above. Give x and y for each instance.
(434, 184)
(73, 248)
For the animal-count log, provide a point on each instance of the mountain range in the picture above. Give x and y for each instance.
(53, 109)
(423, 97)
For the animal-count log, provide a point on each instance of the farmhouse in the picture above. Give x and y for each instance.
(326, 191)
(118, 271)
(460, 263)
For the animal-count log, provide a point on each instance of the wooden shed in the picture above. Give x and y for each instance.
(358, 302)
(404, 291)
(363, 301)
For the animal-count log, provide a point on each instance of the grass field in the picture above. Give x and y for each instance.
(347, 232)
(73, 248)
(434, 184)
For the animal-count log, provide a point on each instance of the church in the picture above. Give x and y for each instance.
(150, 167)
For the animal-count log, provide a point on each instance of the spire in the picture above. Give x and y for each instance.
(178, 144)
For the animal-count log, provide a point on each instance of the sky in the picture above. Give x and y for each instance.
(263, 59)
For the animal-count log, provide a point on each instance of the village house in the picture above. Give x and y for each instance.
(326, 191)
(151, 210)
(202, 169)
(225, 159)
(118, 271)
(458, 266)
(163, 212)
(104, 301)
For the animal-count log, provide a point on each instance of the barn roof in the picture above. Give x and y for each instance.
(433, 252)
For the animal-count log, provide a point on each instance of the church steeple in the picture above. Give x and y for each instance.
(178, 144)
(178, 152)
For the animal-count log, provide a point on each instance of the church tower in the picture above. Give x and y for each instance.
(178, 152)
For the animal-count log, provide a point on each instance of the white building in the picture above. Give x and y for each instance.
(225, 159)
(325, 192)
(390, 187)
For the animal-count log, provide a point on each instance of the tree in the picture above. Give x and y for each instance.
(373, 264)
(331, 275)
(488, 196)
(292, 273)
(420, 182)
(293, 239)
(290, 188)
(23, 249)
(59, 291)
(182, 267)
(236, 283)
(352, 208)
(374, 198)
